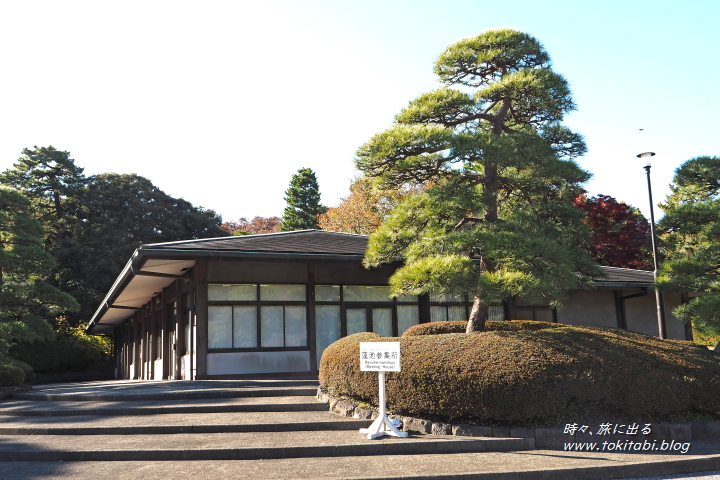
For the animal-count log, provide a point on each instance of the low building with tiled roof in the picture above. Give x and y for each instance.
(270, 304)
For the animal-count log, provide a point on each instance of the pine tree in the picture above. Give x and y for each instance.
(497, 221)
(27, 301)
(690, 235)
(47, 177)
(303, 202)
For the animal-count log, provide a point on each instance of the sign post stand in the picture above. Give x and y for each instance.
(381, 357)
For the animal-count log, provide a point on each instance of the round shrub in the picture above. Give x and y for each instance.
(11, 375)
(437, 328)
(27, 369)
(544, 377)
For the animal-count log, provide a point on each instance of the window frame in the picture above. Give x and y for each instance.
(258, 303)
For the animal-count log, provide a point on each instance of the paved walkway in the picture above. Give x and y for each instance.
(96, 417)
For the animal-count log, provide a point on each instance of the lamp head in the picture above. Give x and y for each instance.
(646, 156)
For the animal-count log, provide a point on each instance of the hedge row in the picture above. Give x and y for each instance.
(11, 375)
(458, 326)
(58, 356)
(545, 377)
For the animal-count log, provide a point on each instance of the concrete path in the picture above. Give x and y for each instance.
(266, 429)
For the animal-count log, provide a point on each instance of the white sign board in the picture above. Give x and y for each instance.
(379, 356)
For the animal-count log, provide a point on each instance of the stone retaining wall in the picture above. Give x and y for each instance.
(544, 437)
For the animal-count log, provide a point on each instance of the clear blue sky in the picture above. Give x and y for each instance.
(220, 102)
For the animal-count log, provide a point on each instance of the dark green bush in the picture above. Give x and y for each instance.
(26, 368)
(549, 376)
(11, 375)
(51, 357)
(437, 328)
(72, 351)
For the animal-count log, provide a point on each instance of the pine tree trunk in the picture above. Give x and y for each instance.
(478, 315)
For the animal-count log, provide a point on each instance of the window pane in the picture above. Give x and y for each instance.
(245, 327)
(232, 292)
(382, 321)
(327, 293)
(219, 327)
(447, 298)
(360, 293)
(496, 312)
(408, 298)
(295, 326)
(408, 315)
(356, 320)
(272, 331)
(327, 330)
(282, 293)
(354, 293)
(457, 313)
(438, 314)
(378, 294)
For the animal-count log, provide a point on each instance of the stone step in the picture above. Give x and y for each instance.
(175, 423)
(238, 446)
(167, 394)
(34, 408)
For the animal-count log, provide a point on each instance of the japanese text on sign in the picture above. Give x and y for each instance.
(379, 356)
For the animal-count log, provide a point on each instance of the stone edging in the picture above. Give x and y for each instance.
(7, 392)
(544, 437)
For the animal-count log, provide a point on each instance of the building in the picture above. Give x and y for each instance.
(270, 304)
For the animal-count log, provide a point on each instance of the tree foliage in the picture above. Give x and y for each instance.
(365, 208)
(690, 232)
(497, 220)
(620, 233)
(114, 215)
(258, 225)
(27, 301)
(303, 202)
(46, 176)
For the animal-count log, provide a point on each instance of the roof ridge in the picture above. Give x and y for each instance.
(241, 237)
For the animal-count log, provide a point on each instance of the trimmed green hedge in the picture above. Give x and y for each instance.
(11, 375)
(26, 368)
(56, 357)
(544, 377)
(458, 326)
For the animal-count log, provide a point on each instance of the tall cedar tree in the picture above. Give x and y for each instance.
(28, 303)
(303, 202)
(498, 220)
(620, 233)
(690, 235)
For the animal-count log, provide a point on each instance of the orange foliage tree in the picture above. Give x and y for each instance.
(252, 227)
(364, 209)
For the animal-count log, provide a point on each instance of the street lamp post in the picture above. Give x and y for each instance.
(662, 331)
